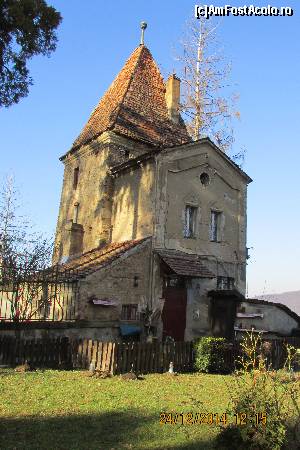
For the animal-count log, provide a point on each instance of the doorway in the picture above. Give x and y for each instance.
(174, 311)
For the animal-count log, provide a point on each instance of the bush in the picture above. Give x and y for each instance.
(211, 355)
(262, 397)
(258, 390)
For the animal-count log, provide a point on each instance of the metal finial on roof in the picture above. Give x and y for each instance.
(143, 27)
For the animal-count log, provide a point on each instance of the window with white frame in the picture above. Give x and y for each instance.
(215, 226)
(190, 221)
(225, 283)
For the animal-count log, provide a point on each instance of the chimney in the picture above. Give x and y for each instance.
(173, 97)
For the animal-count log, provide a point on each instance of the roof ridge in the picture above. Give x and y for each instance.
(118, 108)
(123, 246)
(134, 106)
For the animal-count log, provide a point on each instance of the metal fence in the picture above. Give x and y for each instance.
(48, 295)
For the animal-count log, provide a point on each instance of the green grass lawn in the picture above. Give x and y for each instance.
(67, 410)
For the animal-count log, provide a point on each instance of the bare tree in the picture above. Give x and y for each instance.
(20, 245)
(207, 107)
(23, 254)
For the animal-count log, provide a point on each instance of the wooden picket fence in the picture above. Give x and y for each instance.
(118, 358)
(107, 356)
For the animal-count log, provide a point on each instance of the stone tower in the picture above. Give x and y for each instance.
(139, 113)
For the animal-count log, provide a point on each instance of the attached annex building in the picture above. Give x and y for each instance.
(154, 222)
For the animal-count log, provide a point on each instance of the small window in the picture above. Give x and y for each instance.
(75, 177)
(174, 281)
(225, 283)
(76, 212)
(204, 179)
(190, 221)
(215, 226)
(129, 312)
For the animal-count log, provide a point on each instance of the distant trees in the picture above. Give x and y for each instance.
(207, 107)
(27, 28)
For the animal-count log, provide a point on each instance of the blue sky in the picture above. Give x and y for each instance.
(95, 39)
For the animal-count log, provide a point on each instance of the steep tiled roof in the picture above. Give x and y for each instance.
(135, 106)
(185, 264)
(99, 257)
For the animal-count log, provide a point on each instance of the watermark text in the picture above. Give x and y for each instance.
(251, 10)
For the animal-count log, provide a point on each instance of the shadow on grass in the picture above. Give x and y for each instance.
(107, 431)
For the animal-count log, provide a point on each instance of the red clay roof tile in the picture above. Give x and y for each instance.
(185, 264)
(135, 106)
(99, 257)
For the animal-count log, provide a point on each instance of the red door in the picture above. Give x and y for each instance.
(174, 311)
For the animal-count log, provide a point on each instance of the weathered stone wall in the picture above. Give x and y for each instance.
(133, 204)
(92, 330)
(116, 282)
(274, 318)
(179, 185)
(93, 194)
(197, 313)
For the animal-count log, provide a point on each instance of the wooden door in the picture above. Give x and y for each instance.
(174, 311)
(223, 315)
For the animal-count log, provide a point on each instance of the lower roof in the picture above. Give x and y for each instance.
(185, 264)
(99, 257)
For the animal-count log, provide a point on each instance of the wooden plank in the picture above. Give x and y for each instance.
(94, 352)
(57, 352)
(155, 357)
(112, 358)
(115, 358)
(99, 355)
(143, 357)
(84, 354)
(31, 356)
(12, 355)
(79, 354)
(159, 357)
(74, 352)
(151, 357)
(39, 352)
(109, 357)
(176, 356)
(7, 344)
(45, 352)
(129, 356)
(181, 356)
(138, 357)
(89, 352)
(148, 357)
(120, 357)
(104, 352)
(135, 355)
(124, 357)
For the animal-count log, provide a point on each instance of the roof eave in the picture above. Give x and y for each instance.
(220, 152)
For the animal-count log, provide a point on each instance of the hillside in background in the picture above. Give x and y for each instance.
(290, 299)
